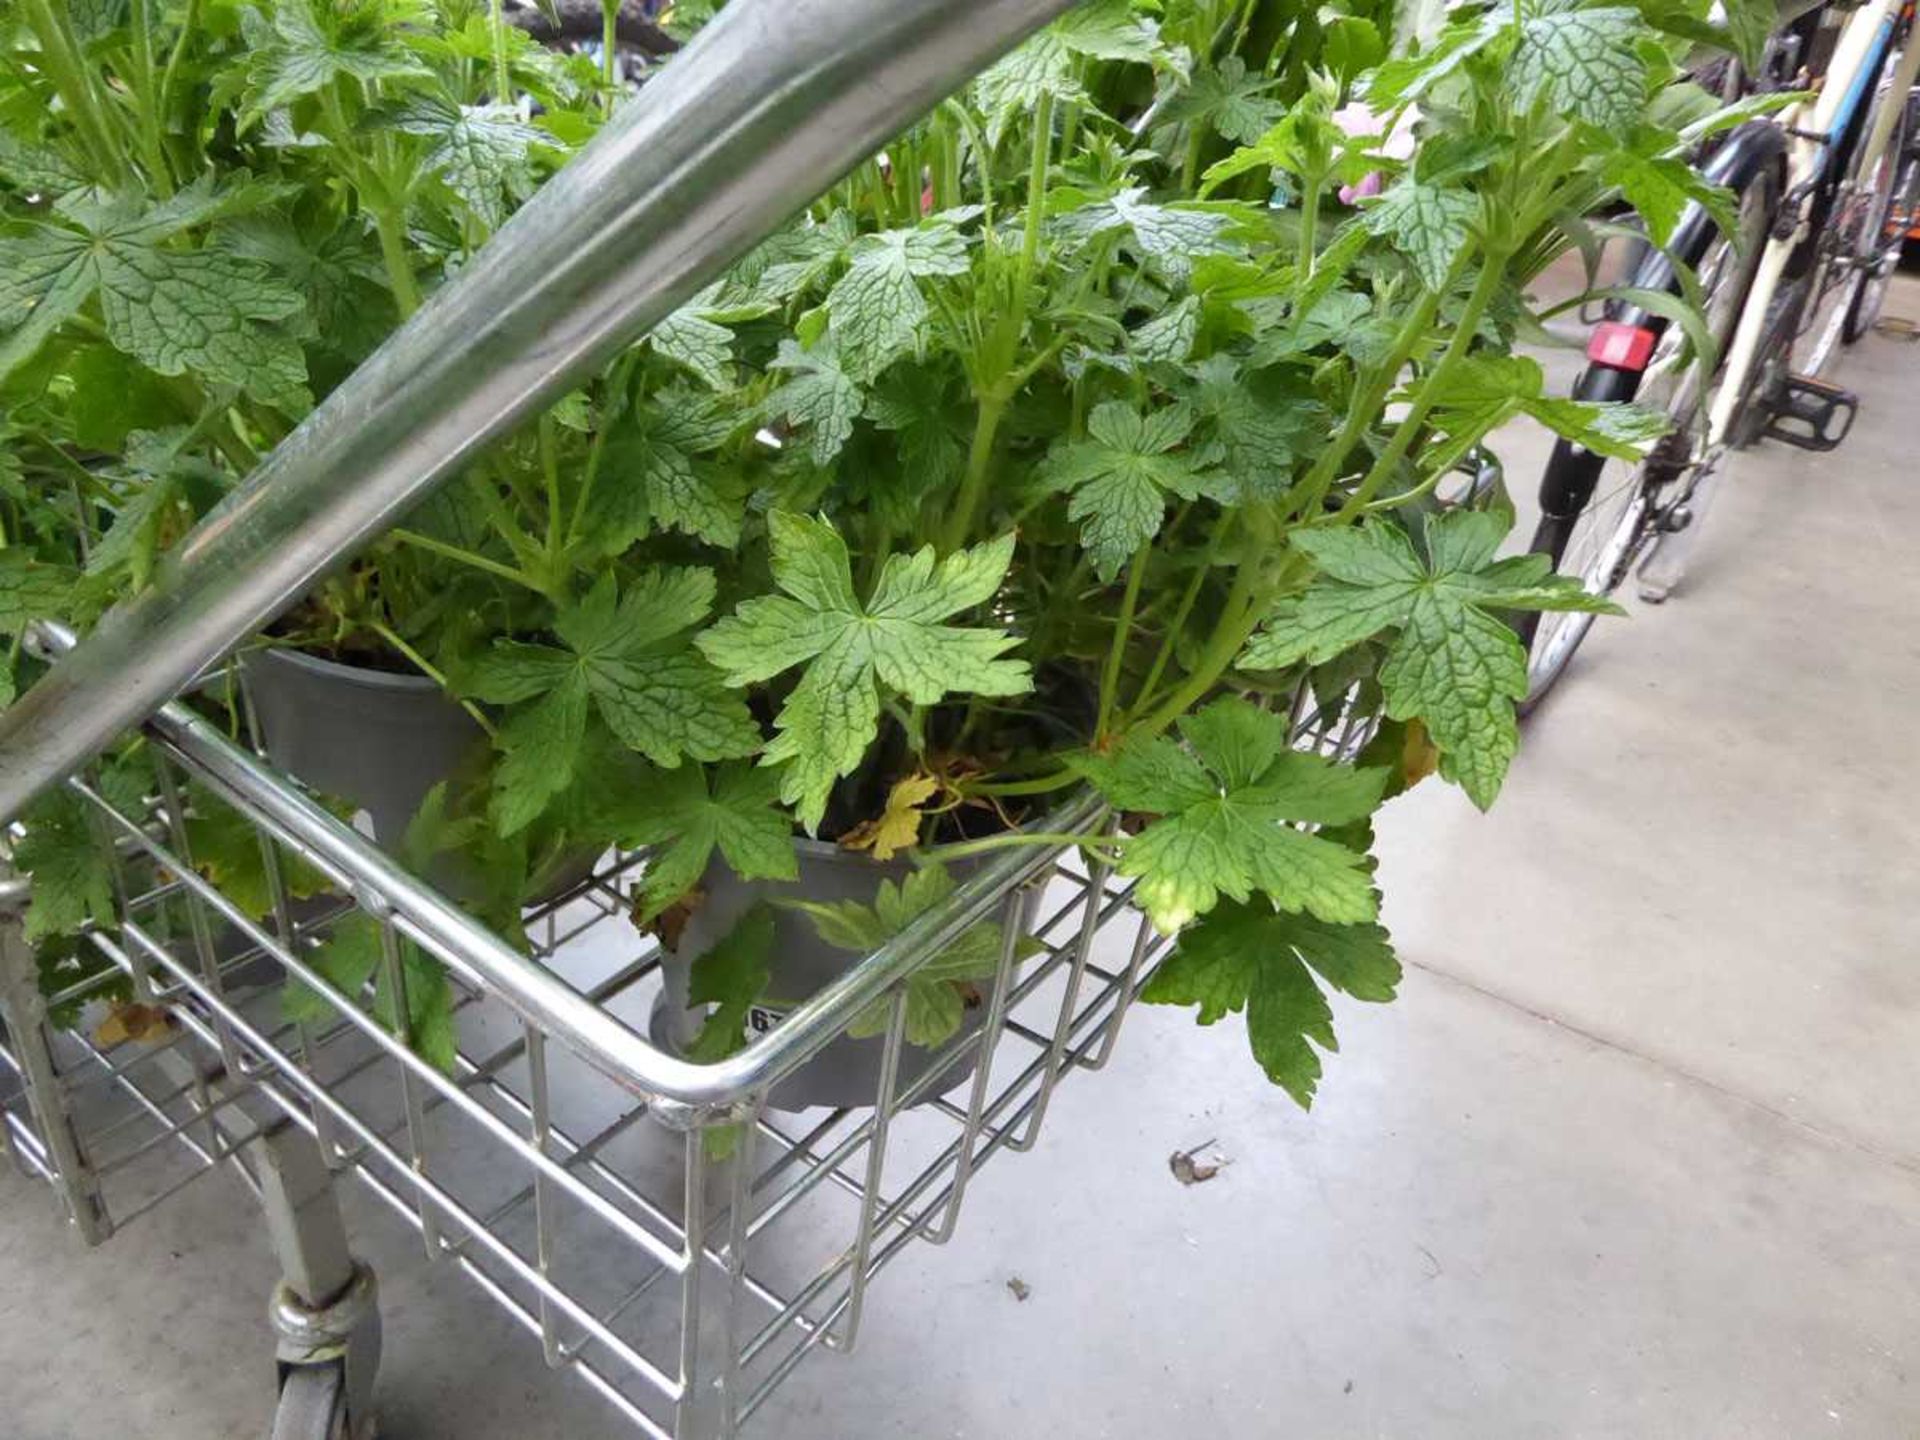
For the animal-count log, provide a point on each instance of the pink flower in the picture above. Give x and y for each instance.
(1358, 119)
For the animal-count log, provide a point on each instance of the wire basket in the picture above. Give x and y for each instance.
(667, 1237)
(566, 1164)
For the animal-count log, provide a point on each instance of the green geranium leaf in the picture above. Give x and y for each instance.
(1486, 391)
(1168, 337)
(820, 398)
(304, 49)
(1174, 235)
(916, 406)
(1238, 105)
(1426, 223)
(31, 590)
(1109, 30)
(631, 659)
(936, 1001)
(731, 977)
(1659, 185)
(896, 640)
(347, 961)
(1013, 85)
(691, 338)
(1253, 958)
(481, 151)
(877, 308)
(689, 814)
(38, 169)
(1121, 475)
(175, 311)
(1452, 663)
(353, 957)
(1583, 64)
(64, 857)
(225, 846)
(1229, 799)
(651, 476)
(1251, 427)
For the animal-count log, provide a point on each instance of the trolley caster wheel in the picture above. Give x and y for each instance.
(313, 1404)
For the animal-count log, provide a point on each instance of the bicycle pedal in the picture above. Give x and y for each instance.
(1812, 414)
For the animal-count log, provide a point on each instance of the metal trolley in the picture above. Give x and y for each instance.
(567, 1164)
(667, 1236)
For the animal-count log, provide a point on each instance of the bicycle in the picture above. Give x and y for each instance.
(1829, 186)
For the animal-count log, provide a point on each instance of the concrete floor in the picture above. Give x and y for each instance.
(1635, 1154)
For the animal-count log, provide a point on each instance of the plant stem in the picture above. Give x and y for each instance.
(1238, 617)
(1116, 652)
(1190, 163)
(1369, 396)
(982, 157)
(1309, 221)
(391, 228)
(497, 32)
(467, 557)
(550, 472)
(609, 60)
(387, 633)
(1036, 203)
(1177, 625)
(188, 24)
(986, 429)
(619, 390)
(1492, 272)
(501, 518)
(1039, 785)
(60, 54)
(156, 158)
(987, 844)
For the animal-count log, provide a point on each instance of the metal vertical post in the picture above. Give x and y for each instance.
(24, 1010)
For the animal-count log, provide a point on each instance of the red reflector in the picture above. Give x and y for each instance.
(1623, 346)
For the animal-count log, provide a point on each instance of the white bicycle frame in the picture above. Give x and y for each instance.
(1849, 80)
(1807, 155)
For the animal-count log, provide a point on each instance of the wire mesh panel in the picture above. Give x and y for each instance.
(679, 1246)
(680, 1256)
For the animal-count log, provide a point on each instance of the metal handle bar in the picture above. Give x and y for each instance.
(775, 100)
(380, 884)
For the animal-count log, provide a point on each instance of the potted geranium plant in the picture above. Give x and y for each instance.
(1039, 453)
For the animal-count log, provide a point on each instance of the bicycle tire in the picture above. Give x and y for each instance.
(1840, 269)
(1617, 525)
(1893, 215)
(580, 21)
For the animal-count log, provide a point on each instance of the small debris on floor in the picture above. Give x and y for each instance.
(1897, 327)
(1349, 1388)
(1190, 1168)
(1021, 1290)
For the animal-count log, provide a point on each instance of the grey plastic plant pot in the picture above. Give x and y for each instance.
(846, 1074)
(377, 740)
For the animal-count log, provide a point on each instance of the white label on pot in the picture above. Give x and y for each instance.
(762, 1018)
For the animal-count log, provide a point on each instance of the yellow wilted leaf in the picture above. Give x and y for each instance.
(898, 827)
(1418, 757)
(132, 1022)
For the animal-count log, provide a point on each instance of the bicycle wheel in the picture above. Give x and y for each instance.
(1631, 504)
(1850, 247)
(1896, 187)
